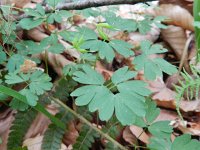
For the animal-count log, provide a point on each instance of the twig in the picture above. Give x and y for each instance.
(185, 53)
(83, 4)
(88, 123)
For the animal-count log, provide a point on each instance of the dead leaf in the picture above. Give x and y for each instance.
(191, 128)
(72, 134)
(35, 143)
(187, 4)
(41, 122)
(102, 69)
(167, 115)
(139, 133)
(176, 38)
(129, 137)
(188, 106)
(136, 37)
(29, 66)
(177, 16)
(6, 119)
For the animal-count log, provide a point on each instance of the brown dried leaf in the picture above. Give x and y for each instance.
(176, 37)
(6, 118)
(187, 4)
(129, 137)
(29, 66)
(72, 134)
(102, 69)
(165, 97)
(190, 128)
(177, 15)
(166, 115)
(41, 122)
(140, 134)
(35, 143)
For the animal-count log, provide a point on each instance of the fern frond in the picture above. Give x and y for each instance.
(86, 138)
(190, 87)
(19, 128)
(53, 136)
(111, 146)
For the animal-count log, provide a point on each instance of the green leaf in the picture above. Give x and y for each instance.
(63, 87)
(103, 101)
(122, 47)
(86, 138)
(144, 26)
(158, 22)
(122, 24)
(135, 87)
(152, 111)
(65, 14)
(53, 3)
(32, 12)
(18, 105)
(52, 45)
(160, 144)
(3, 56)
(104, 49)
(85, 94)
(128, 104)
(81, 33)
(197, 24)
(196, 10)
(88, 76)
(29, 23)
(161, 129)
(38, 107)
(127, 108)
(122, 74)
(14, 62)
(40, 9)
(13, 78)
(165, 66)
(153, 67)
(40, 83)
(19, 128)
(53, 136)
(31, 97)
(57, 17)
(184, 142)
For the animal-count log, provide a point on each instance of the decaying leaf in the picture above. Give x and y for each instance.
(139, 133)
(177, 16)
(129, 137)
(176, 37)
(187, 4)
(36, 142)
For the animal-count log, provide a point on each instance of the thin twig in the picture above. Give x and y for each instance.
(83, 4)
(88, 123)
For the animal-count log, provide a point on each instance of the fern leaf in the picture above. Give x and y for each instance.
(190, 87)
(86, 138)
(111, 146)
(53, 136)
(19, 128)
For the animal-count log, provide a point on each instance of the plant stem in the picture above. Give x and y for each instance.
(46, 62)
(88, 123)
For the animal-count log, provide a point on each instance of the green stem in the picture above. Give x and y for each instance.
(88, 123)
(196, 11)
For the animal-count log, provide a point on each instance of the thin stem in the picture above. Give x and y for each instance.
(46, 62)
(88, 123)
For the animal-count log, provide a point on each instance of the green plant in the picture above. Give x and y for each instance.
(121, 98)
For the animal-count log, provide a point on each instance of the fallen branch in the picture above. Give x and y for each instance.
(96, 3)
(88, 4)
